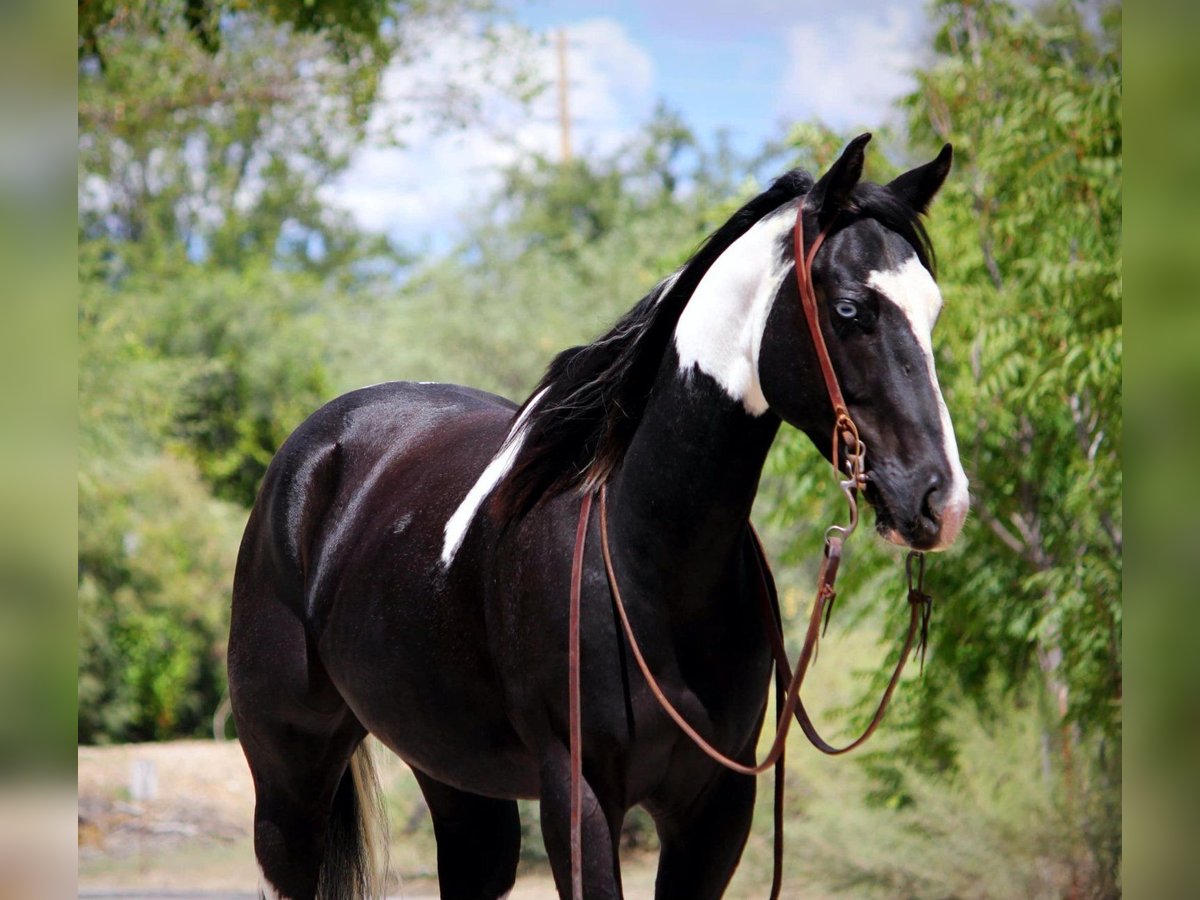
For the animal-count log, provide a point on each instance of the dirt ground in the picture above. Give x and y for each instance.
(191, 834)
(193, 837)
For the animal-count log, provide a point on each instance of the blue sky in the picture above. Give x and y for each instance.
(748, 68)
(741, 66)
(718, 80)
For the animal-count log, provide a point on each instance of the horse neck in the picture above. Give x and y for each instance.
(691, 472)
(682, 498)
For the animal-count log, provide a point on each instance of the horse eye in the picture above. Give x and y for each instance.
(846, 309)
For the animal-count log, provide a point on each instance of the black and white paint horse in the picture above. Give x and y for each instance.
(405, 569)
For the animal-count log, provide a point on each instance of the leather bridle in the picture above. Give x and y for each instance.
(788, 682)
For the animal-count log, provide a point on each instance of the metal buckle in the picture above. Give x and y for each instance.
(845, 433)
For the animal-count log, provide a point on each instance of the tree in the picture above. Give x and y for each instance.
(568, 249)
(565, 206)
(1029, 348)
(1029, 234)
(1027, 231)
(207, 126)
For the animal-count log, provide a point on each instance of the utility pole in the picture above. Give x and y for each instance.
(564, 111)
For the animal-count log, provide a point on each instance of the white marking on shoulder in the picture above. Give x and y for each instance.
(913, 290)
(460, 521)
(266, 888)
(721, 328)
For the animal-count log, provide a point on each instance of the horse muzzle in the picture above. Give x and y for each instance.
(933, 516)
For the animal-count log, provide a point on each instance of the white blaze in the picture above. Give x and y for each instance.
(460, 521)
(914, 291)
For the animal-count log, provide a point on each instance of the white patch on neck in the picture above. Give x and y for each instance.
(460, 521)
(913, 290)
(720, 330)
(265, 888)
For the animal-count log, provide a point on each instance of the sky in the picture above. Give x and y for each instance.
(748, 68)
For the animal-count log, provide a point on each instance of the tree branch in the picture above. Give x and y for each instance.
(985, 241)
(1007, 538)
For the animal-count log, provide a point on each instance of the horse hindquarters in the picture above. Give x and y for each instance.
(313, 782)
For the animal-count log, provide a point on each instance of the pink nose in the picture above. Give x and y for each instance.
(943, 511)
(954, 514)
(948, 509)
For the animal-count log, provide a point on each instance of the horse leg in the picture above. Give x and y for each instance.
(601, 831)
(298, 736)
(478, 841)
(701, 843)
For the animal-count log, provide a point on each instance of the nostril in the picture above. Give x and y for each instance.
(934, 501)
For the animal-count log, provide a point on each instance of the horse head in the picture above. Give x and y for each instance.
(877, 303)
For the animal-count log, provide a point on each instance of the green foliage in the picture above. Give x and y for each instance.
(1027, 231)
(1029, 235)
(217, 147)
(156, 555)
(187, 148)
(565, 207)
(348, 24)
(183, 394)
(218, 369)
(1004, 823)
(1029, 354)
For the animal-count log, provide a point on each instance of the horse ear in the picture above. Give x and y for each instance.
(832, 192)
(918, 186)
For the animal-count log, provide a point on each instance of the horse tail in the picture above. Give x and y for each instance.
(355, 857)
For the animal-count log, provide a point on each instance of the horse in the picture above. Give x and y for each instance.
(405, 568)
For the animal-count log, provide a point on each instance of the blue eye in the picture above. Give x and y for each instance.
(845, 309)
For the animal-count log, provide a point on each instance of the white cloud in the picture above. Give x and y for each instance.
(419, 192)
(612, 81)
(848, 69)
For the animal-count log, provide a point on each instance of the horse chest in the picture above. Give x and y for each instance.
(714, 669)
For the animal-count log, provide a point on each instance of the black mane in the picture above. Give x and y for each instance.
(592, 397)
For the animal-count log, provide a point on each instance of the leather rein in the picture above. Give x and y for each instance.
(788, 682)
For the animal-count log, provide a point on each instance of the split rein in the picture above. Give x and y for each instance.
(787, 699)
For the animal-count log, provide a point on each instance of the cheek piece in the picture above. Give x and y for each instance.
(845, 432)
